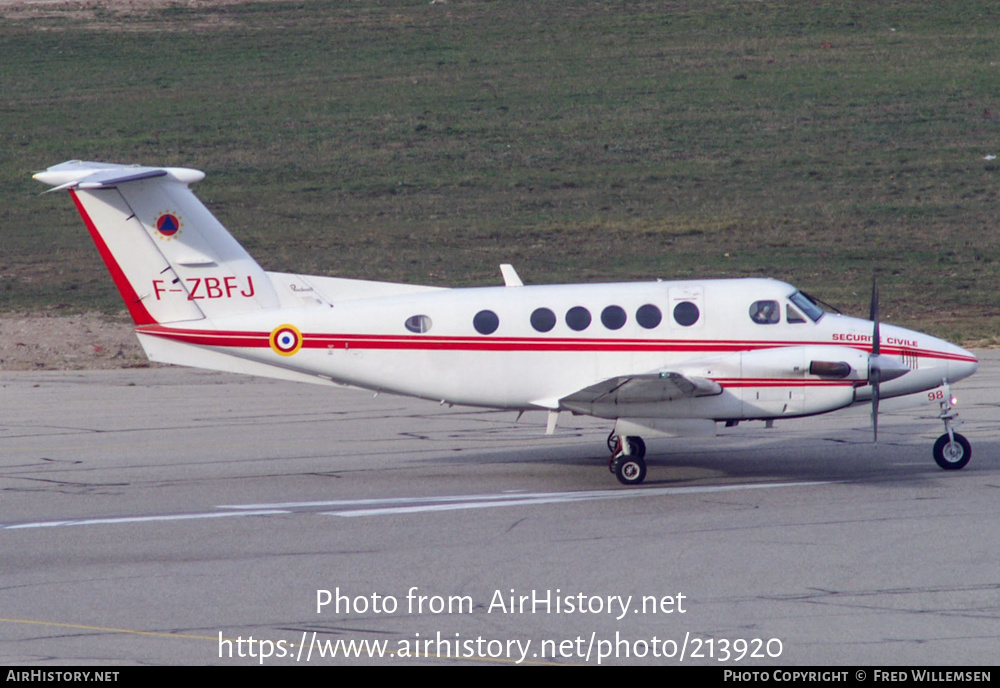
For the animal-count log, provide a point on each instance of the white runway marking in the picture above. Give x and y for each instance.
(136, 519)
(411, 505)
(407, 505)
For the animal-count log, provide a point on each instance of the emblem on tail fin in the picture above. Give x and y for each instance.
(168, 225)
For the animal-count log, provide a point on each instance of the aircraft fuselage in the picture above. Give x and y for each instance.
(528, 347)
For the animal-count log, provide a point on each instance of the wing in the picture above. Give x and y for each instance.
(641, 389)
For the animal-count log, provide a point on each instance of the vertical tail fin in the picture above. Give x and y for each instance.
(170, 258)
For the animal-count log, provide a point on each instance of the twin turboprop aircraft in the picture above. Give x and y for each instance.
(656, 358)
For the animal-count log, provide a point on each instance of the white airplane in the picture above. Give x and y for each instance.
(658, 358)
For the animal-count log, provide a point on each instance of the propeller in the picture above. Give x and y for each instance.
(874, 369)
(880, 368)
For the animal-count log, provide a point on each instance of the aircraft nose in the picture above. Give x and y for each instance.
(960, 363)
(935, 360)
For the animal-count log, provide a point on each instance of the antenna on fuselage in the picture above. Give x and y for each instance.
(510, 276)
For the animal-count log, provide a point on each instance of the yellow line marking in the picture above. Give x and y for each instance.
(105, 629)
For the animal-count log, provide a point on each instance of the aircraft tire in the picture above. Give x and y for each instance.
(637, 447)
(952, 456)
(631, 470)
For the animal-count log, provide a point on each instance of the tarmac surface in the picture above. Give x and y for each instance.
(168, 516)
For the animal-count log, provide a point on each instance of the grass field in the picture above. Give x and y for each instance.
(583, 141)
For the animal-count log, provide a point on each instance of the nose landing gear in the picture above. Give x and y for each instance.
(951, 451)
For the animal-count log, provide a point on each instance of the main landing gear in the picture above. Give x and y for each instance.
(951, 451)
(628, 461)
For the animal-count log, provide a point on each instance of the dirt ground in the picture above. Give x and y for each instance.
(98, 13)
(75, 342)
(28, 8)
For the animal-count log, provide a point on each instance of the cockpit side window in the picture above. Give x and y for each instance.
(793, 316)
(807, 306)
(765, 312)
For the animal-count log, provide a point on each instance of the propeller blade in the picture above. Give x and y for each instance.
(874, 362)
(873, 316)
(874, 381)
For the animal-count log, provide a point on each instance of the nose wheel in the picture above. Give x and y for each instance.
(628, 462)
(952, 452)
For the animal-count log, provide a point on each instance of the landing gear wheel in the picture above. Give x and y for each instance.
(952, 456)
(630, 470)
(635, 444)
(637, 447)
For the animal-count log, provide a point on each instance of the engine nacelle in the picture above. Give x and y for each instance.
(784, 381)
(800, 380)
(764, 383)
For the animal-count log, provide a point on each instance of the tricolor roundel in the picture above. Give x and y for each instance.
(285, 340)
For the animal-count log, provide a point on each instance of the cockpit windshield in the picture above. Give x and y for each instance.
(807, 306)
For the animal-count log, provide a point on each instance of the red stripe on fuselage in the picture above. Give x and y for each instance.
(247, 339)
(784, 382)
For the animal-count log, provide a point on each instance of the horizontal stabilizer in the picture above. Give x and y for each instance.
(77, 174)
